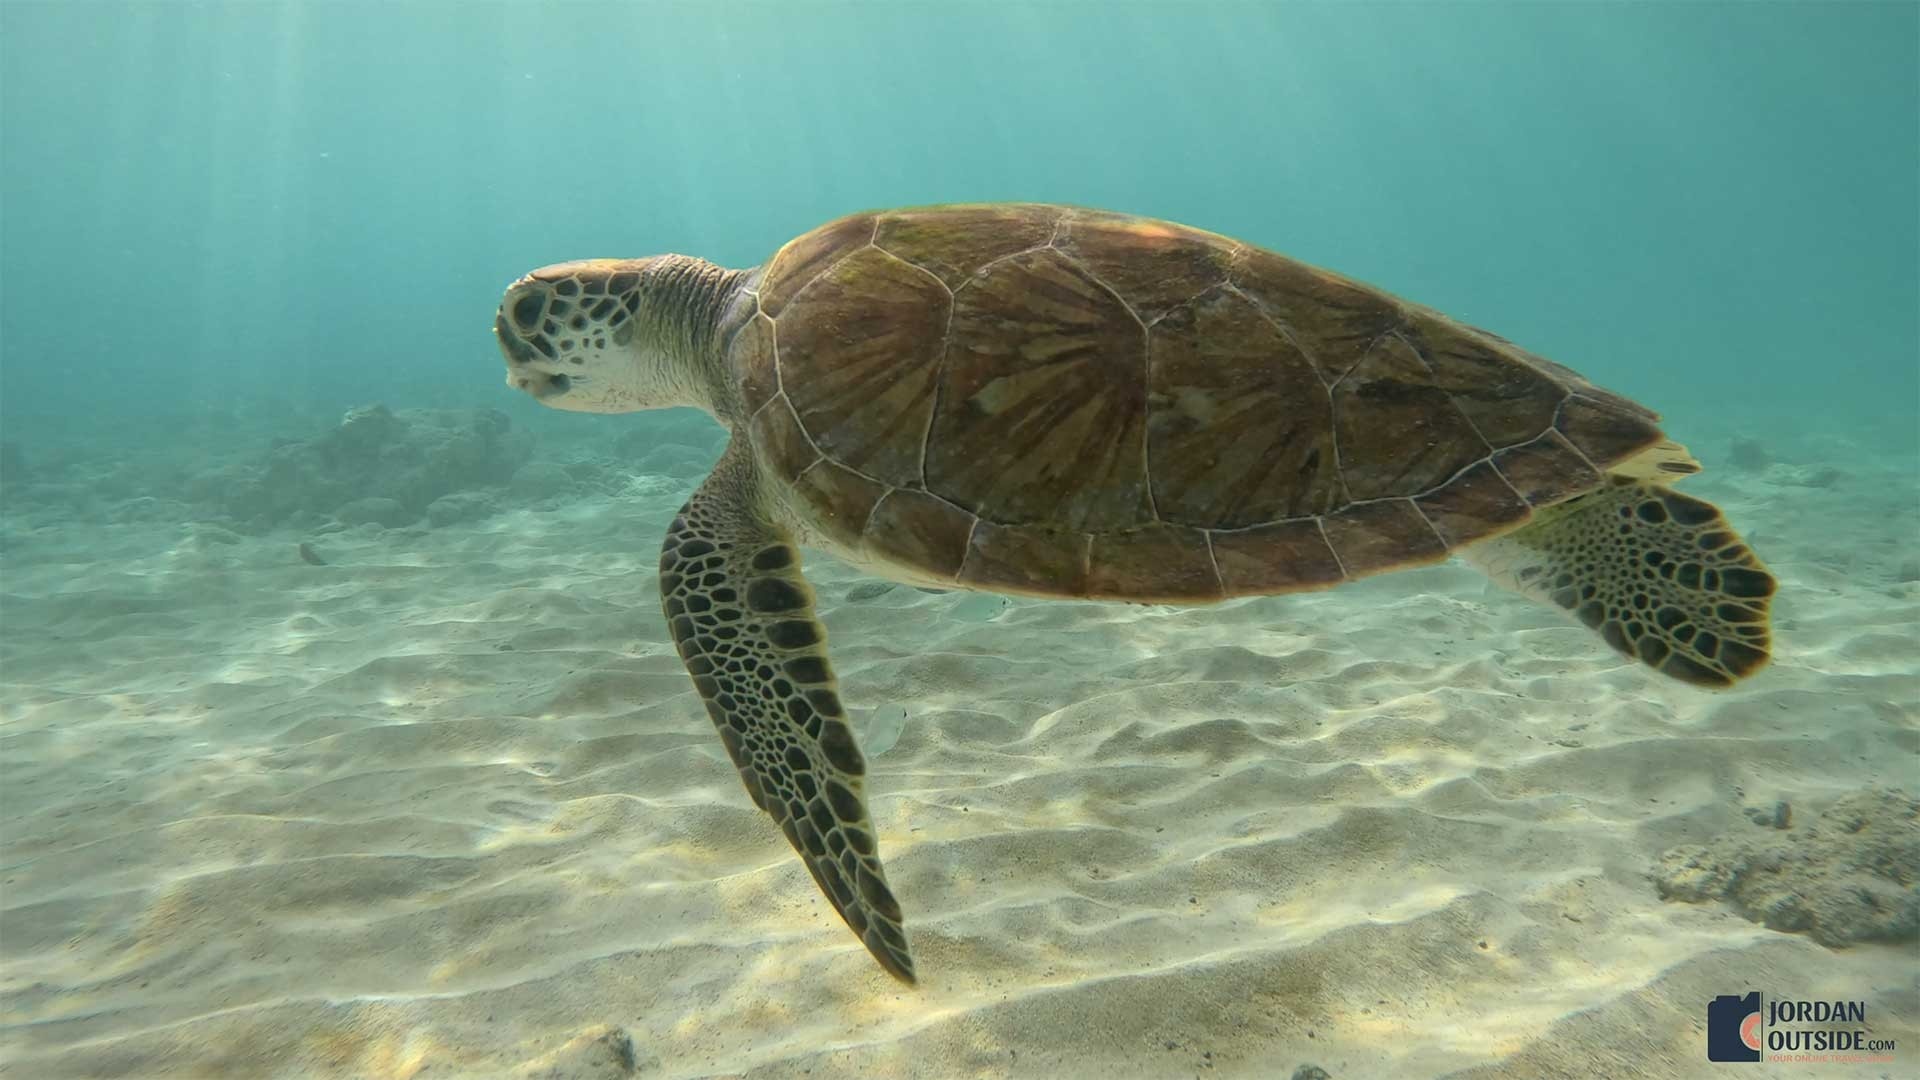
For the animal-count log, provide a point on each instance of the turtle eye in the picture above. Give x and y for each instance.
(528, 309)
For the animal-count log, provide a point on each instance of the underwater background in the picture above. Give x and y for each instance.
(339, 735)
(1703, 206)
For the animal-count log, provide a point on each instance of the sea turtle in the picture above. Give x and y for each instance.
(1059, 402)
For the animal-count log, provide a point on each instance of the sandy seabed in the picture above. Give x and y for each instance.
(448, 806)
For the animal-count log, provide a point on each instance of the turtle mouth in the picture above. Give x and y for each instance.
(541, 385)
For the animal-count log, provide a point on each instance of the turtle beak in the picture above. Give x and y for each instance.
(542, 385)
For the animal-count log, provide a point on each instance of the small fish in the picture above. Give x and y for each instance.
(310, 556)
(884, 726)
(979, 607)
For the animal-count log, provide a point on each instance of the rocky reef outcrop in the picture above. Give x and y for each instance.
(377, 466)
(1842, 876)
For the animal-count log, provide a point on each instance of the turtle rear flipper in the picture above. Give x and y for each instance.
(1659, 575)
(742, 617)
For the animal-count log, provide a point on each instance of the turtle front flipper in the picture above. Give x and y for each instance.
(742, 617)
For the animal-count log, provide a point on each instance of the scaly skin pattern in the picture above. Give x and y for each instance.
(742, 617)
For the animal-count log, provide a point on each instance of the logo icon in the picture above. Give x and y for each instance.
(1733, 1027)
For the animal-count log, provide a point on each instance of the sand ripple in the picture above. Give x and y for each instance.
(447, 806)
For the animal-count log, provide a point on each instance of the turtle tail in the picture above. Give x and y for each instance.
(1660, 575)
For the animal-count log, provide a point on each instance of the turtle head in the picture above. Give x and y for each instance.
(599, 336)
(568, 332)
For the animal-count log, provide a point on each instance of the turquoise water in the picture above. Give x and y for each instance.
(1710, 207)
(341, 734)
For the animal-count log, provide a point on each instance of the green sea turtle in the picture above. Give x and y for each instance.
(1057, 402)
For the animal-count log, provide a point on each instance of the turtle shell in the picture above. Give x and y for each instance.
(1071, 403)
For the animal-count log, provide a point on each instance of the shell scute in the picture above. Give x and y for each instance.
(868, 334)
(1041, 560)
(1285, 556)
(1605, 428)
(782, 443)
(1167, 564)
(1473, 504)
(1373, 536)
(1546, 470)
(1219, 375)
(1154, 266)
(806, 257)
(841, 500)
(752, 359)
(913, 528)
(1399, 434)
(1508, 402)
(1041, 415)
(954, 242)
(1332, 319)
